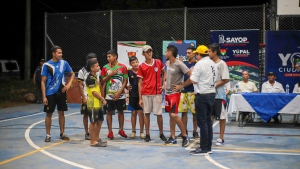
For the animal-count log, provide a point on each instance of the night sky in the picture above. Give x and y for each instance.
(13, 23)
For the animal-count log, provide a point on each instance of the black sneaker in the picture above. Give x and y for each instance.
(199, 152)
(179, 136)
(195, 134)
(162, 137)
(185, 141)
(63, 136)
(48, 139)
(147, 138)
(171, 141)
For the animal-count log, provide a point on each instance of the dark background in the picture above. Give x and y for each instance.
(13, 22)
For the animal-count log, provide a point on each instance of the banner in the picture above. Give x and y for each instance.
(240, 50)
(282, 48)
(181, 45)
(130, 48)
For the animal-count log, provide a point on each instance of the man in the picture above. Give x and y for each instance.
(245, 85)
(187, 95)
(200, 51)
(54, 90)
(82, 75)
(219, 112)
(203, 77)
(114, 77)
(175, 73)
(272, 86)
(37, 81)
(150, 89)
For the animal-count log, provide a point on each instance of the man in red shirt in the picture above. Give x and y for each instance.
(150, 89)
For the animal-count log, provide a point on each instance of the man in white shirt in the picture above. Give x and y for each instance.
(203, 77)
(245, 85)
(272, 86)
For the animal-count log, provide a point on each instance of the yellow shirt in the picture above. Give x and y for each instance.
(92, 85)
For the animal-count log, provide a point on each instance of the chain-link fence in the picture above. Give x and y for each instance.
(81, 33)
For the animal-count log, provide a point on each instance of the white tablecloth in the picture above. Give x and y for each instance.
(239, 103)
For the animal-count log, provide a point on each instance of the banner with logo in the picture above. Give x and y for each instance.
(181, 45)
(240, 51)
(282, 48)
(130, 48)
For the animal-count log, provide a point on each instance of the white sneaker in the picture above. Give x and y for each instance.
(220, 142)
(132, 135)
(142, 135)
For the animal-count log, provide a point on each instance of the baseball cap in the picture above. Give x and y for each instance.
(271, 74)
(91, 55)
(202, 49)
(42, 60)
(146, 48)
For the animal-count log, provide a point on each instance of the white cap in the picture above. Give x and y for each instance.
(146, 48)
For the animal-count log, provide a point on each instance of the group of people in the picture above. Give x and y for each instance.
(200, 85)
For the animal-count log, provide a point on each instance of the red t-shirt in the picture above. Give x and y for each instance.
(151, 75)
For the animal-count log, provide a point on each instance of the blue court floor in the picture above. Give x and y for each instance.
(255, 145)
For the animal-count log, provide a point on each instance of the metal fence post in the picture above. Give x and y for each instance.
(111, 29)
(45, 34)
(184, 23)
(264, 24)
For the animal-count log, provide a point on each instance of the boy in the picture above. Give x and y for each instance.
(134, 97)
(94, 106)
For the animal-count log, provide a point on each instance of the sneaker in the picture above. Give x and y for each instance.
(185, 141)
(63, 136)
(220, 142)
(122, 134)
(179, 136)
(110, 135)
(209, 152)
(132, 135)
(162, 137)
(198, 152)
(147, 138)
(142, 135)
(48, 138)
(171, 141)
(87, 136)
(195, 134)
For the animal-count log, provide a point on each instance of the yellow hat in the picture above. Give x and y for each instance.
(202, 49)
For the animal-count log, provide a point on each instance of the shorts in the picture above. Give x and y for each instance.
(172, 102)
(60, 99)
(152, 103)
(134, 104)
(111, 105)
(219, 110)
(187, 101)
(95, 114)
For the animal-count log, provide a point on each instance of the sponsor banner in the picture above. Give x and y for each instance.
(282, 50)
(130, 48)
(240, 50)
(127, 49)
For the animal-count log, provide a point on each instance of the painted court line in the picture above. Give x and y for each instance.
(21, 117)
(30, 142)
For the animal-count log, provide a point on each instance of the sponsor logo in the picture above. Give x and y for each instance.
(131, 53)
(233, 40)
(240, 53)
(284, 68)
(223, 54)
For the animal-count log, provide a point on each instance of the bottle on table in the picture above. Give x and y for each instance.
(287, 89)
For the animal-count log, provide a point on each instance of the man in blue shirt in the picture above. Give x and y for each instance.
(54, 90)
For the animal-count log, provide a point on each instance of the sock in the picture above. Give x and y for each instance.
(48, 135)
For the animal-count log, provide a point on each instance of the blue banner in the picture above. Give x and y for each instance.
(181, 45)
(282, 48)
(240, 51)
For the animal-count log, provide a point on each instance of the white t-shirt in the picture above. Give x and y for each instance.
(204, 74)
(296, 88)
(268, 88)
(223, 73)
(82, 75)
(246, 87)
